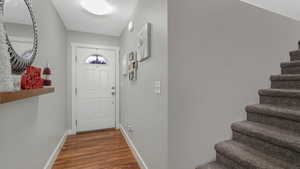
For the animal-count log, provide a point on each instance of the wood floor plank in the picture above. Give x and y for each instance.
(96, 150)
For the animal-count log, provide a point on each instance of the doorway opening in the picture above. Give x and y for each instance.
(95, 87)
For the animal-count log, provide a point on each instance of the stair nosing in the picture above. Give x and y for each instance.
(275, 111)
(293, 53)
(280, 92)
(251, 156)
(269, 134)
(290, 64)
(285, 77)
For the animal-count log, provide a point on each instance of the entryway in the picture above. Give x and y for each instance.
(95, 88)
(105, 149)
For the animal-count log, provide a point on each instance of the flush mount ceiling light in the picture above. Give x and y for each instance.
(97, 7)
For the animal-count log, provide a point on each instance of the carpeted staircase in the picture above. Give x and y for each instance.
(270, 138)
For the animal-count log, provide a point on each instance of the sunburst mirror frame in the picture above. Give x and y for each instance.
(19, 63)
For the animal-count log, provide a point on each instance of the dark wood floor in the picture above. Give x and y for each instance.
(96, 150)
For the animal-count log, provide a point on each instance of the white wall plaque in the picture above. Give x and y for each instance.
(144, 43)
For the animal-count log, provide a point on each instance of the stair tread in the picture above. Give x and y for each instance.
(290, 64)
(213, 165)
(286, 77)
(289, 113)
(271, 134)
(247, 156)
(280, 92)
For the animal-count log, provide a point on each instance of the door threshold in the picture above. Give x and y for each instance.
(92, 131)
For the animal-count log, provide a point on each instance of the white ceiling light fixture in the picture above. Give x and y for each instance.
(97, 7)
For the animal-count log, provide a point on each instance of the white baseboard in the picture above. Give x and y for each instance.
(56, 151)
(72, 132)
(133, 149)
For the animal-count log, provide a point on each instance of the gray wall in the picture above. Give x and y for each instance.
(93, 39)
(220, 53)
(89, 39)
(30, 129)
(140, 106)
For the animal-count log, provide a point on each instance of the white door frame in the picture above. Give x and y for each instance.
(73, 82)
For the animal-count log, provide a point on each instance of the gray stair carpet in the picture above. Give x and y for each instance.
(270, 137)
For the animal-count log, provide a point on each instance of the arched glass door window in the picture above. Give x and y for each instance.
(96, 60)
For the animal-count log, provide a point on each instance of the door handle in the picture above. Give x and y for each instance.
(113, 88)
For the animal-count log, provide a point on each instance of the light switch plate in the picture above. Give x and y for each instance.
(157, 87)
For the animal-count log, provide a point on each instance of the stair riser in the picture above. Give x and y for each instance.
(229, 163)
(280, 101)
(268, 148)
(290, 70)
(274, 121)
(285, 85)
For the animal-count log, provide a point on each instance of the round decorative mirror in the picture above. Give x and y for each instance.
(19, 21)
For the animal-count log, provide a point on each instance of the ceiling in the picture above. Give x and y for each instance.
(78, 19)
(289, 8)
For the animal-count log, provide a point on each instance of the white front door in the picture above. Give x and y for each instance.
(96, 72)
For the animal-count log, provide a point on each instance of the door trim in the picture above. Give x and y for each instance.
(74, 46)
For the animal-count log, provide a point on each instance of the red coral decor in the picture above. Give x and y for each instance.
(32, 79)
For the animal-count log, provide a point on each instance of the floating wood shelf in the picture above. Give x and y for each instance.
(6, 97)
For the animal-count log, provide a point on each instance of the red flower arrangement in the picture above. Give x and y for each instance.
(32, 79)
